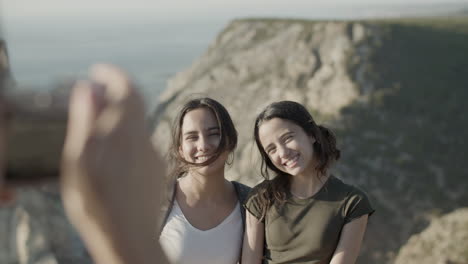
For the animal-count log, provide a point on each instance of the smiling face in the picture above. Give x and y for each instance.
(200, 139)
(288, 146)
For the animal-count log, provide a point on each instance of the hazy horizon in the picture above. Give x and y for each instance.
(153, 48)
(106, 11)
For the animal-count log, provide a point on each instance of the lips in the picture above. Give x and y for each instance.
(291, 163)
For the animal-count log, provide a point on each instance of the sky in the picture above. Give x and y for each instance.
(170, 10)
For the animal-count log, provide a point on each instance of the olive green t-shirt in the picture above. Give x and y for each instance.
(308, 230)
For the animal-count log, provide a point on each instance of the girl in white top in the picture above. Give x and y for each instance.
(204, 222)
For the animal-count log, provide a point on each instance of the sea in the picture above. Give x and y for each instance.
(43, 53)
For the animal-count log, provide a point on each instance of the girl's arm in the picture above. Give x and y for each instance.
(252, 251)
(349, 245)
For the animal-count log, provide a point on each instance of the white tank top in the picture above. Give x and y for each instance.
(185, 244)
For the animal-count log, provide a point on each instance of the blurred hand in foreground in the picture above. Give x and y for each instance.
(111, 175)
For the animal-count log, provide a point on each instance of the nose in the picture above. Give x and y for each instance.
(203, 144)
(283, 151)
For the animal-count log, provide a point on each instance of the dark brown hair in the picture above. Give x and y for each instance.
(325, 150)
(228, 133)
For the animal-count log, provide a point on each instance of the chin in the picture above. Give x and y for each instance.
(294, 172)
(214, 167)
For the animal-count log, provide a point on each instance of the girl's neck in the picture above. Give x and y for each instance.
(201, 187)
(307, 185)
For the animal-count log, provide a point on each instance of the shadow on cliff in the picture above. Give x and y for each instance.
(407, 144)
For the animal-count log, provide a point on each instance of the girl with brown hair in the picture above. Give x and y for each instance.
(304, 214)
(204, 219)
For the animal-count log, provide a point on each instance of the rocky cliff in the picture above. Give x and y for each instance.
(444, 241)
(393, 91)
(34, 230)
(253, 63)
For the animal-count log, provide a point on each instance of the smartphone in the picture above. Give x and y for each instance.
(35, 130)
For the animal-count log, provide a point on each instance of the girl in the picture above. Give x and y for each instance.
(204, 222)
(304, 214)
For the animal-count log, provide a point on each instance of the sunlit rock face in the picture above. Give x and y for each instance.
(393, 91)
(34, 230)
(254, 63)
(445, 241)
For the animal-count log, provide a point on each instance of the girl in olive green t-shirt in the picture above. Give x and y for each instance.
(303, 215)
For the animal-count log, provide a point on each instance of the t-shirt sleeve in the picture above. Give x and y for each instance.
(357, 204)
(252, 203)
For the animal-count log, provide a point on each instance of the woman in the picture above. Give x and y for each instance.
(204, 222)
(304, 214)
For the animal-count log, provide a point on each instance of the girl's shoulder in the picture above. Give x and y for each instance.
(355, 202)
(344, 189)
(260, 187)
(254, 202)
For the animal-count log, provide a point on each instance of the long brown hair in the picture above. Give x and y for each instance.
(325, 150)
(228, 133)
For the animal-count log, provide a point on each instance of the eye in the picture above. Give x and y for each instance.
(191, 138)
(271, 151)
(215, 134)
(288, 138)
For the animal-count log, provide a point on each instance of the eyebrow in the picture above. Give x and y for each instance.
(213, 128)
(267, 148)
(210, 129)
(286, 134)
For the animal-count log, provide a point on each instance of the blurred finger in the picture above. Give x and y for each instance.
(118, 83)
(80, 119)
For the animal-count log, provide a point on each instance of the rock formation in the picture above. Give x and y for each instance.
(445, 241)
(254, 63)
(34, 230)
